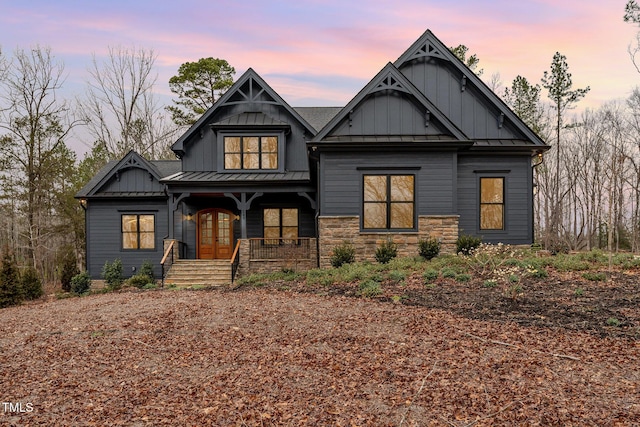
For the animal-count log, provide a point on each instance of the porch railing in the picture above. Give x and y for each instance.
(280, 248)
(235, 261)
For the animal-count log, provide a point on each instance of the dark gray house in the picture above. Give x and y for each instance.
(424, 149)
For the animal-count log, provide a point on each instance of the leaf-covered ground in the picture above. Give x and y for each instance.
(268, 356)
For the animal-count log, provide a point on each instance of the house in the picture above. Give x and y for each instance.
(424, 149)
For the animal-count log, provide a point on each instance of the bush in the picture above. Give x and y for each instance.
(112, 274)
(430, 275)
(595, 276)
(463, 277)
(80, 283)
(369, 288)
(31, 284)
(10, 290)
(68, 269)
(387, 251)
(466, 244)
(429, 249)
(140, 280)
(343, 254)
(146, 269)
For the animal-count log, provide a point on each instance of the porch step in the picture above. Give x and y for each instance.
(189, 272)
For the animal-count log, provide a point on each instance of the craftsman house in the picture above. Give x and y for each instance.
(424, 149)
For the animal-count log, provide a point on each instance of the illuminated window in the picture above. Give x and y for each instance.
(251, 152)
(492, 203)
(138, 231)
(388, 202)
(280, 223)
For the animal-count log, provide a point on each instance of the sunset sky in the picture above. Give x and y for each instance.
(321, 53)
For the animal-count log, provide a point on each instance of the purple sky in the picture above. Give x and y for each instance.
(321, 53)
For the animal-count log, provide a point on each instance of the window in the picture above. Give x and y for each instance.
(280, 223)
(251, 152)
(389, 202)
(492, 203)
(138, 231)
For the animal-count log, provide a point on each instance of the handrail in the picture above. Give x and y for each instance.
(164, 259)
(235, 261)
(166, 253)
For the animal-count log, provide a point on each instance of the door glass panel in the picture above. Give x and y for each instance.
(223, 228)
(206, 229)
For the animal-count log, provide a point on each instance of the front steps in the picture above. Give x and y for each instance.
(191, 272)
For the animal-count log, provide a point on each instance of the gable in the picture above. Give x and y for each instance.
(390, 107)
(132, 176)
(249, 94)
(460, 94)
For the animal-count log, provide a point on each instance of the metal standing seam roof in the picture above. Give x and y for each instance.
(239, 177)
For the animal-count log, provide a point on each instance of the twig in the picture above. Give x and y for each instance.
(562, 356)
(424, 380)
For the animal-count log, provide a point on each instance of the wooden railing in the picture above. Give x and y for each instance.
(167, 259)
(235, 261)
(280, 248)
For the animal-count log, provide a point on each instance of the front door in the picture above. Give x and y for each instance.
(215, 231)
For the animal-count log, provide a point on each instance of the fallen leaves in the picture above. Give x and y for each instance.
(262, 358)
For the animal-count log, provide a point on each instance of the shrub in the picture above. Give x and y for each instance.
(397, 276)
(466, 244)
(430, 275)
(80, 283)
(68, 268)
(343, 254)
(463, 277)
(429, 249)
(595, 276)
(10, 290)
(387, 251)
(31, 284)
(490, 283)
(369, 288)
(140, 280)
(146, 269)
(112, 274)
(449, 273)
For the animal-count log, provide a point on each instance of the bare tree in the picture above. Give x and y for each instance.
(120, 106)
(35, 123)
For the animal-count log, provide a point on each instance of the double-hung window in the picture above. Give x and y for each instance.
(138, 231)
(388, 202)
(491, 203)
(251, 152)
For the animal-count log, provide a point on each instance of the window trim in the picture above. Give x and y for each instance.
(281, 141)
(388, 202)
(137, 232)
(503, 204)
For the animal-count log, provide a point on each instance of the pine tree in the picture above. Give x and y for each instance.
(10, 289)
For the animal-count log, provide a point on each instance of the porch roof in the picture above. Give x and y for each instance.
(237, 178)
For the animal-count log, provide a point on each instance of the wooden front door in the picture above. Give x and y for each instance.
(215, 234)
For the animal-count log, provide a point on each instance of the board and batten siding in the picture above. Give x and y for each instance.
(201, 152)
(104, 236)
(518, 197)
(341, 180)
(133, 180)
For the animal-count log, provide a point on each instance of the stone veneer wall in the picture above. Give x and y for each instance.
(250, 266)
(334, 230)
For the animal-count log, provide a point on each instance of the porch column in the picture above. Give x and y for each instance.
(174, 202)
(243, 206)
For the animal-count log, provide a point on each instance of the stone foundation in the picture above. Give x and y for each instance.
(334, 230)
(249, 265)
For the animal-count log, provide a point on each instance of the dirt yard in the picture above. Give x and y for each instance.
(447, 355)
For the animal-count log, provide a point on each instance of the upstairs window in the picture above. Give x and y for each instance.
(491, 203)
(138, 231)
(251, 152)
(388, 202)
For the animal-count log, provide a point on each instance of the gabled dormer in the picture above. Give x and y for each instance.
(390, 112)
(250, 129)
